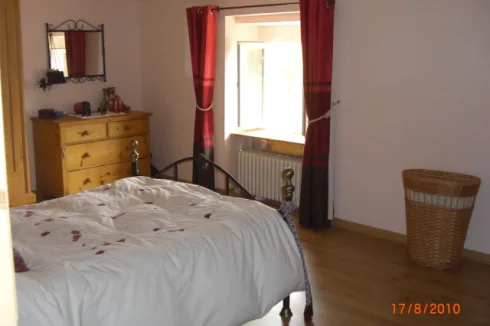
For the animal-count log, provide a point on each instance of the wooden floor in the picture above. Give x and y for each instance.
(356, 279)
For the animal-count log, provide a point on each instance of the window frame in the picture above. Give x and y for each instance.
(239, 76)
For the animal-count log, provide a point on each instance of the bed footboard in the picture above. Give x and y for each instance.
(287, 196)
(135, 156)
(287, 188)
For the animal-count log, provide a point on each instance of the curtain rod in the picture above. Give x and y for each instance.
(258, 6)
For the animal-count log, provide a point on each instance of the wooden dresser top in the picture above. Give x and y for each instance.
(70, 120)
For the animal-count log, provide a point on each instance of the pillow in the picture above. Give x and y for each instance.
(20, 265)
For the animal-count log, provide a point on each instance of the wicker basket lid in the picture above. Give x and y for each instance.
(441, 182)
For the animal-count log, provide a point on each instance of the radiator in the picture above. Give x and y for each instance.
(260, 173)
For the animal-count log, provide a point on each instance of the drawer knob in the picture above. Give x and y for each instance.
(126, 128)
(87, 181)
(84, 133)
(86, 155)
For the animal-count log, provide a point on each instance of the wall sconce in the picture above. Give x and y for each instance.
(52, 77)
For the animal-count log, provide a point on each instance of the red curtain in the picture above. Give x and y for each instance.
(201, 22)
(317, 23)
(75, 53)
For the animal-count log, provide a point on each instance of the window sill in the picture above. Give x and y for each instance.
(287, 144)
(270, 135)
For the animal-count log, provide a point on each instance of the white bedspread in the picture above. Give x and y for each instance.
(148, 252)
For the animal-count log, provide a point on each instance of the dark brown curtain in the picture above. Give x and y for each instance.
(201, 23)
(75, 53)
(317, 22)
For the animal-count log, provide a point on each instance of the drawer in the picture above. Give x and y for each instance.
(82, 156)
(129, 127)
(75, 134)
(101, 175)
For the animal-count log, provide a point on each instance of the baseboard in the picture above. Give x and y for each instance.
(369, 230)
(472, 255)
(476, 256)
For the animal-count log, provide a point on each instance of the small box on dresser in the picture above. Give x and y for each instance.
(75, 154)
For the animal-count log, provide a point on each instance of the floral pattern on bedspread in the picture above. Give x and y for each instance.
(116, 217)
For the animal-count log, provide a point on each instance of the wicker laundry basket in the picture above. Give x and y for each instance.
(438, 210)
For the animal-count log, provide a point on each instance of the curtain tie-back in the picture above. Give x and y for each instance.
(204, 109)
(325, 116)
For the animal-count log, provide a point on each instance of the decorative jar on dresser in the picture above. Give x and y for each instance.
(75, 154)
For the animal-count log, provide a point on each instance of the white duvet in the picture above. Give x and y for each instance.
(150, 252)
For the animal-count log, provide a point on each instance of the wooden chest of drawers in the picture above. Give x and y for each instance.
(74, 154)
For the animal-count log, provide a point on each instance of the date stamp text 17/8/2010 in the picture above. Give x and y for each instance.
(435, 309)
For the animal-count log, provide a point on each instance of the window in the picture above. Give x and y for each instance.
(270, 87)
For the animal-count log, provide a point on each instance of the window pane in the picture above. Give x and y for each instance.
(283, 87)
(250, 79)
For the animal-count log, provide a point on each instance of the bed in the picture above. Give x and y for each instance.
(152, 251)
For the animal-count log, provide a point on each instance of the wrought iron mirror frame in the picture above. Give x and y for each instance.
(72, 25)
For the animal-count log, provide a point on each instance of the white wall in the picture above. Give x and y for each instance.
(246, 32)
(121, 20)
(280, 33)
(413, 80)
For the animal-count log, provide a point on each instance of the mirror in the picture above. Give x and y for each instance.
(77, 49)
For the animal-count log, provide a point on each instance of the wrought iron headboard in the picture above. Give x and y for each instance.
(199, 160)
